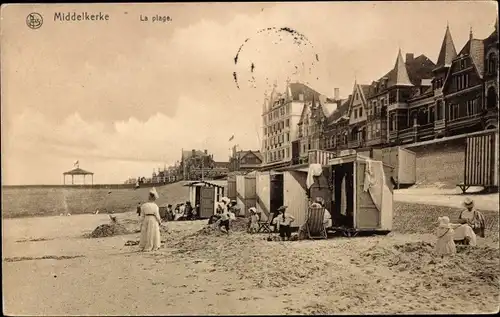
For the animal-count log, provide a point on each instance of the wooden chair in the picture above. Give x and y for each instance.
(264, 226)
(314, 223)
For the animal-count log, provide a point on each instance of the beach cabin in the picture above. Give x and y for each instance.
(402, 160)
(362, 195)
(246, 192)
(206, 194)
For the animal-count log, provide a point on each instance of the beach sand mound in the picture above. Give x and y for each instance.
(109, 230)
(242, 253)
(471, 266)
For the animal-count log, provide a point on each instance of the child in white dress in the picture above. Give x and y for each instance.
(445, 244)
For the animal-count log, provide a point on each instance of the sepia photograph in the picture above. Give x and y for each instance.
(250, 158)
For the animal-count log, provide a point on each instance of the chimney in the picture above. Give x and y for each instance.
(409, 57)
(193, 152)
(336, 93)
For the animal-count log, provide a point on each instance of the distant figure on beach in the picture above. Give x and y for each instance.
(150, 224)
(253, 225)
(283, 221)
(139, 209)
(225, 218)
(445, 244)
(169, 214)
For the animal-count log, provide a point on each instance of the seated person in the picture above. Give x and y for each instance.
(283, 222)
(472, 217)
(327, 217)
(471, 222)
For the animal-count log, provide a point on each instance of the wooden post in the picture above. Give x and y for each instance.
(64, 179)
(72, 179)
(92, 179)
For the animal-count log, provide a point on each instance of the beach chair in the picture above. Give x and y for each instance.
(314, 223)
(264, 226)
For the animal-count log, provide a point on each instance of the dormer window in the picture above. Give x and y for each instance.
(463, 63)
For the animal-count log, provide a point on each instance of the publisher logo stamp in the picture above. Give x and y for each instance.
(34, 20)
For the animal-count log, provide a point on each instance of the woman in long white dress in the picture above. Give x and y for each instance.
(150, 224)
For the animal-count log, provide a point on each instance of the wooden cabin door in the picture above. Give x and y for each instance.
(207, 202)
(367, 214)
(250, 194)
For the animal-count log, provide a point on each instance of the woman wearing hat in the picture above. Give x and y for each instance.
(284, 221)
(472, 217)
(150, 224)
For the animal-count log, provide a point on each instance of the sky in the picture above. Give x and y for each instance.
(125, 96)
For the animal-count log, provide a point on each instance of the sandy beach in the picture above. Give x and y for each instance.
(51, 269)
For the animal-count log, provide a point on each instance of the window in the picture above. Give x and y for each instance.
(287, 137)
(355, 113)
(454, 112)
(471, 107)
(357, 97)
(287, 152)
(463, 63)
(432, 115)
(360, 112)
(287, 123)
(462, 81)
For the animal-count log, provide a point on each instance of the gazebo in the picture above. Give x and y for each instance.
(78, 171)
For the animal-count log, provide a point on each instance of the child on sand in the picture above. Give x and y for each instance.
(445, 244)
(254, 220)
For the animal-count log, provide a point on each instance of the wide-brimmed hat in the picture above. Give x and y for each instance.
(252, 209)
(154, 193)
(225, 200)
(282, 208)
(468, 202)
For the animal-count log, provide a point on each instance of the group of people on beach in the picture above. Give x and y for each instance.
(282, 221)
(224, 215)
(470, 224)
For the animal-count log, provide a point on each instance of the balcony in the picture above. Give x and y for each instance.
(439, 125)
(355, 144)
(464, 121)
(408, 135)
(425, 132)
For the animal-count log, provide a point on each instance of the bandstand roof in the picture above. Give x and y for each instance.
(78, 171)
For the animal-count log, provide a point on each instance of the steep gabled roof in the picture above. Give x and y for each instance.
(418, 68)
(448, 51)
(361, 90)
(340, 111)
(295, 89)
(475, 49)
(399, 75)
(242, 154)
(187, 154)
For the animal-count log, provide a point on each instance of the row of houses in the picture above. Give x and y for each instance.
(416, 100)
(196, 164)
